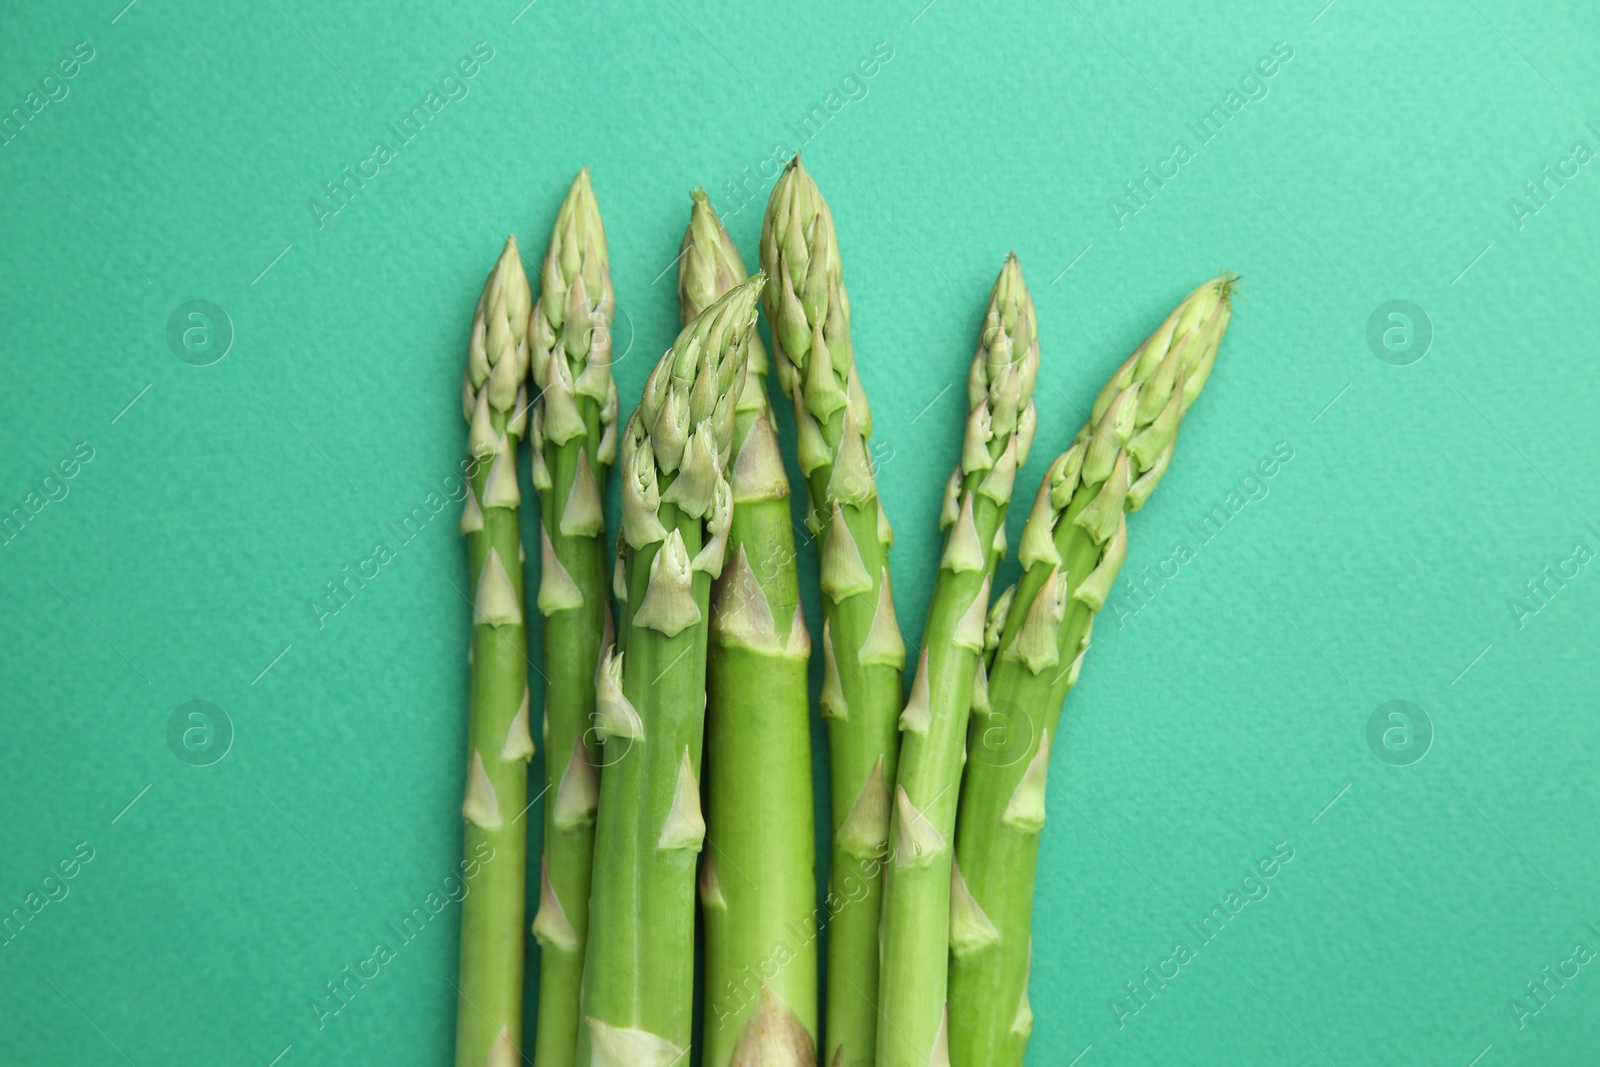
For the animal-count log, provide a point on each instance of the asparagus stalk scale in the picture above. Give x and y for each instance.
(999, 432)
(573, 442)
(494, 397)
(863, 653)
(677, 505)
(757, 882)
(1071, 549)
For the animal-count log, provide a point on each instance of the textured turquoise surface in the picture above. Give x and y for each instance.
(1224, 712)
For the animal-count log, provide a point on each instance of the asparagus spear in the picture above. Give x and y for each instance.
(757, 888)
(494, 397)
(1071, 549)
(573, 443)
(638, 987)
(999, 431)
(862, 650)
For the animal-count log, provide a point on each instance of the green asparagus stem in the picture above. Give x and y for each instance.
(574, 440)
(494, 397)
(999, 432)
(758, 882)
(677, 504)
(863, 653)
(1071, 549)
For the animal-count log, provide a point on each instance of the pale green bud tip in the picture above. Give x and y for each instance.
(615, 715)
(1100, 517)
(557, 590)
(698, 474)
(1213, 326)
(1025, 810)
(832, 702)
(1038, 534)
(709, 264)
(975, 445)
(495, 602)
(950, 508)
(969, 632)
(919, 840)
(740, 613)
(1113, 430)
(1065, 474)
(797, 193)
(806, 297)
(480, 806)
(884, 647)
(843, 574)
(1140, 490)
(500, 487)
(580, 215)
(578, 796)
(583, 515)
(514, 286)
(1022, 1022)
(617, 1046)
(714, 551)
(918, 713)
(963, 551)
(571, 325)
(641, 500)
(1093, 590)
(758, 469)
(704, 370)
(980, 689)
(1035, 643)
(471, 514)
(562, 422)
(997, 618)
(1156, 437)
(865, 830)
(997, 485)
(1011, 330)
(1196, 326)
(551, 926)
(970, 928)
(852, 480)
(685, 826)
(774, 1035)
(669, 606)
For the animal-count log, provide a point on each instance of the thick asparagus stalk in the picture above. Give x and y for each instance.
(757, 882)
(1071, 549)
(494, 397)
(638, 987)
(573, 442)
(1000, 429)
(863, 653)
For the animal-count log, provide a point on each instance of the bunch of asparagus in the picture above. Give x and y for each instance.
(933, 848)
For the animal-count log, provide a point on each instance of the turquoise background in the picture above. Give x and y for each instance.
(1223, 718)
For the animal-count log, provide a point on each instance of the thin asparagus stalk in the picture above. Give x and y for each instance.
(494, 397)
(1071, 549)
(677, 504)
(863, 653)
(757, 887)
(573, 442)
(1000, 428)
